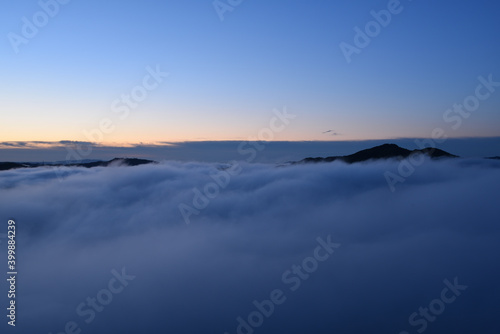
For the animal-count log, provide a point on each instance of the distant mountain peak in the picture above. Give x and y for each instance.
(385, 151)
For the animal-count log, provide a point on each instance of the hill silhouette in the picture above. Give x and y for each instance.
(11, 165)
(385, 151)
(115, 161)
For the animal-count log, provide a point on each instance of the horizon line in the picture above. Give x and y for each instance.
(39, 144)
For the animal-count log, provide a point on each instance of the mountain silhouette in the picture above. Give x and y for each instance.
(385, 151)
(11, 165)
(115, 161)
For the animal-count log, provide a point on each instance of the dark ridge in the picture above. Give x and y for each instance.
(133, 161)
(436, 153)
(116, 161)
(10, 165)
(497, 158)
(386, 151)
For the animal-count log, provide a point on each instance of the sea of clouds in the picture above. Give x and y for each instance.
(324, 248)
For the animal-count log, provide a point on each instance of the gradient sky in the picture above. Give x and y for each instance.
(226, 77)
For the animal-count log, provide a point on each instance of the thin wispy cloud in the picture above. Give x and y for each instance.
(331, 132)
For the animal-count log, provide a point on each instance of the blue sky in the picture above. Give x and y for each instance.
(226, 77)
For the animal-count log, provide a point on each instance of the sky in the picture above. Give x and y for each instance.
(220, 235)
(133, 72)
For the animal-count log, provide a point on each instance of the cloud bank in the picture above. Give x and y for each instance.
(222, 151)
(324, 248)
